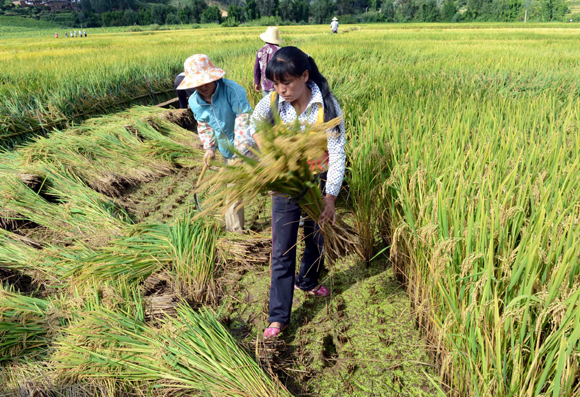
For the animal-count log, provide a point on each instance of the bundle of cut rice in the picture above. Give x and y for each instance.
(282, 165)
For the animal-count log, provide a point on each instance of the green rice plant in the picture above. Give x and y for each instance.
(25, 323)
(187, 249)
(143, 251)
(282, 166)
(484, 230)
(191, 352)
(78, 211)
(193, 248)
(48, 265)
(113, 152)
(369, 167)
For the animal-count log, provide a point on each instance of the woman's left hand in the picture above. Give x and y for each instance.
(328, 210)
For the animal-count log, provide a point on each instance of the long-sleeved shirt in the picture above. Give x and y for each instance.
(334, 25)
(264, 56)
(336, 142)
(217, 121)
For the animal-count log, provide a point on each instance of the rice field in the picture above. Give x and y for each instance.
(462, 186)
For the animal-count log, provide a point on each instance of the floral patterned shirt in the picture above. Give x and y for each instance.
(336, 142)
(262, 58)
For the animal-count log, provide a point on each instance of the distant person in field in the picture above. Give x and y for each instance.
(301, 93)
(75, 33)
(273, 41)
(66, 35)
(222, 112)
(334, 25)
(182, 95)
(85, 33)
(56, 35)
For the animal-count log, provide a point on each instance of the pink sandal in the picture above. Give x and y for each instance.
(320, 291)
(272, 332)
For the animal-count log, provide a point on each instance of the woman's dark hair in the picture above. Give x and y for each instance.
(292, 61)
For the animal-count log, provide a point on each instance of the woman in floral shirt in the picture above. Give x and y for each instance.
(264, 56)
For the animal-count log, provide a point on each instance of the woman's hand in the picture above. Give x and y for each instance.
(258, 87)
(208, 156)
(328, 210)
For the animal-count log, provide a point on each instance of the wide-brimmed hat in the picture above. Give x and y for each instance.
(199, 71)
(271, 35)
(334, 19)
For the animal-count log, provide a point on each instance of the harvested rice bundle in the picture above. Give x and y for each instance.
(282, 165)
(24, 324)
(191, 352)
(187, 249)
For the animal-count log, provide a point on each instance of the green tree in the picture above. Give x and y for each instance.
(287, 10)
(405, 11)
(322, 10)
(211, 15)
(428, 12)
(268, 8)
(553, 10)
(197, 9)
(159, 13)
(251, 10)
(184, 14)
(144, 17)
(235, 12)
(388, 10)
(448, 11)
(172, 19)
(344, 7)
(301, 10)
(129, 17)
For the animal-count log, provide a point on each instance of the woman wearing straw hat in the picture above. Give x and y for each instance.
(273, 41)
(222, 112)
(334, 25)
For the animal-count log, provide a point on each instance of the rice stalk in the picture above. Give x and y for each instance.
(25, 323)
(282, 166)
(192, 351)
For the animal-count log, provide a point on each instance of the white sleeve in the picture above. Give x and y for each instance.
(336, 156)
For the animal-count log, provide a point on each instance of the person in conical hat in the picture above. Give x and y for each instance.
(222, 111)
(334, 25)
(273, 41)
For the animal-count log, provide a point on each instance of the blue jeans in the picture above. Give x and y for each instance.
(285, 220)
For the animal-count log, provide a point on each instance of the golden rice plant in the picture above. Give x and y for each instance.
(281, 165)
(191, 352)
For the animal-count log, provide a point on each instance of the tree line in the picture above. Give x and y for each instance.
(95, 13)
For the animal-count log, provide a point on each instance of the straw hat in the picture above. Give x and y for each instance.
(334, 19)
(271, 36)
(199, 71)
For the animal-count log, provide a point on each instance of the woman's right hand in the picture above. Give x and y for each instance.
(208, 156)
(257, 87)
